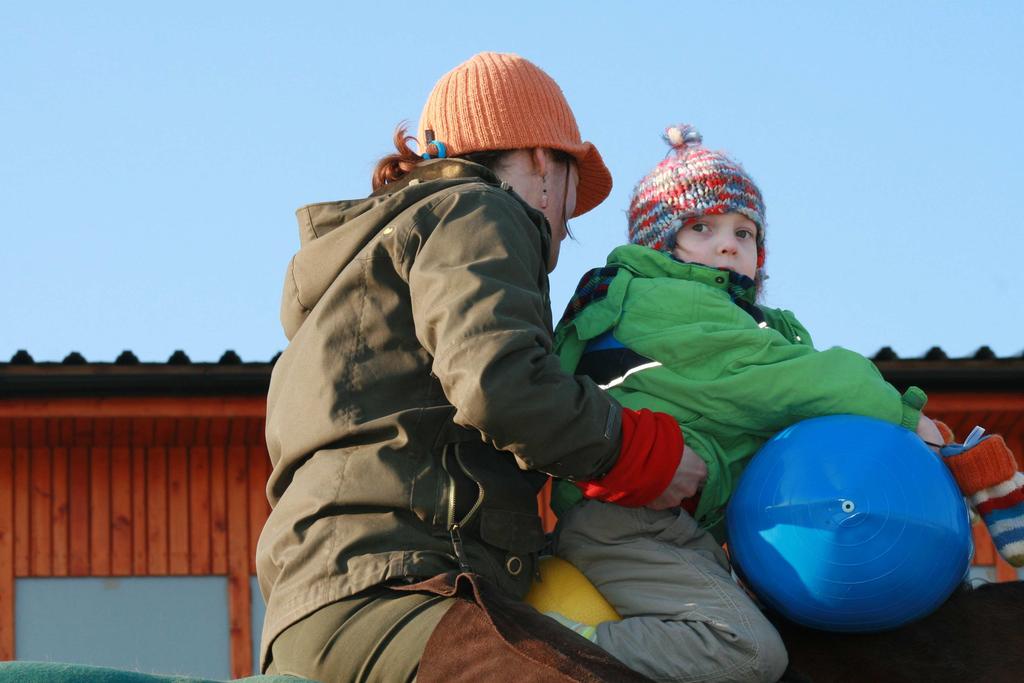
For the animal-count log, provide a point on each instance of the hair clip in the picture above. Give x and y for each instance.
(442, 151)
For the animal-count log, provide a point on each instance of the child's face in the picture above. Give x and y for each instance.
(726, 241)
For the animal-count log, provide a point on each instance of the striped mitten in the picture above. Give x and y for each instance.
(987, 474)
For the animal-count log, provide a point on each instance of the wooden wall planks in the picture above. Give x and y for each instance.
(7, 484)
(218, 510)
(78, 512)
(239, 606)
(61, 510)
(99, 511)
(141, 494)
(199, 510)
(40, 502)
(178, 512)
(22, 493)
(156, 510)
(140, 490)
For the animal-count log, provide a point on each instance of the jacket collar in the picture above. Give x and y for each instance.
(647, 262)
(440, 169)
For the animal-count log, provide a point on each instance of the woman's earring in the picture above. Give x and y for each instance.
(544, 194)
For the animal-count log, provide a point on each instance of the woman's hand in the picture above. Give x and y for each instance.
(929, 433)
(688, 479)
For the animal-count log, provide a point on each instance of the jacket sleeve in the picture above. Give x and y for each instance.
(787, 325)
(911, 402)
(765, 382)
(478, 284)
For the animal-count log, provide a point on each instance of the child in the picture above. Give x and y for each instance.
(672, 324)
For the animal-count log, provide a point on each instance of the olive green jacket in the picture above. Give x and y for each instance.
(418, 391)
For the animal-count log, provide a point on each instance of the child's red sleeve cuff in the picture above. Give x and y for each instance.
(652, 446)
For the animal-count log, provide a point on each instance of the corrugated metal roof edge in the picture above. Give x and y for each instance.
(229, 357)
(180, 376)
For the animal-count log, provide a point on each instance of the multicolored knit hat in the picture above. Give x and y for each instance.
(691, 181)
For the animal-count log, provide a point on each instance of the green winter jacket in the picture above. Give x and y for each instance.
(730, 383)
(419, 388)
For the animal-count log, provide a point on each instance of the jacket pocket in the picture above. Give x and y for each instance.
(516, 532)
(504, 530)
(509, 544)
(429, 491)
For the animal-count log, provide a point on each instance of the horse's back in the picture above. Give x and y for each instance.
(975, 636)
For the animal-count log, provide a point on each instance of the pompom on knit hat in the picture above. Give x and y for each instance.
(691, 181)
(499, 101)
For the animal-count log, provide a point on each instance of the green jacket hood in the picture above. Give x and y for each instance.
(332, 234)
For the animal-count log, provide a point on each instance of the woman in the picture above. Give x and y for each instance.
(418, 407)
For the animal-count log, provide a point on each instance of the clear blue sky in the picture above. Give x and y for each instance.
(151, 157)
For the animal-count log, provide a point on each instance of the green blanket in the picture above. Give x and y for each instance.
(53, 672)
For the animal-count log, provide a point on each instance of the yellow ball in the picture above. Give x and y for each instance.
(562, 588)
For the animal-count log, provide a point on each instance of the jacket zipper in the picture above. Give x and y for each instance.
(480, 487)
(455, 527)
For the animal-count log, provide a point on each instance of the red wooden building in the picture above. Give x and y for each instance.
(132, 469)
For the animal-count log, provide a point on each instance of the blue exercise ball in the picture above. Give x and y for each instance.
(848, 523)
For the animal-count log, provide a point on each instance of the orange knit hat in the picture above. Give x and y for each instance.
(502, 101)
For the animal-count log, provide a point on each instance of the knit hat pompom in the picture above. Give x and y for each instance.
(691, 181)
(681, 136)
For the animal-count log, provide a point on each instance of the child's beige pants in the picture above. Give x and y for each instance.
(684, 617)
